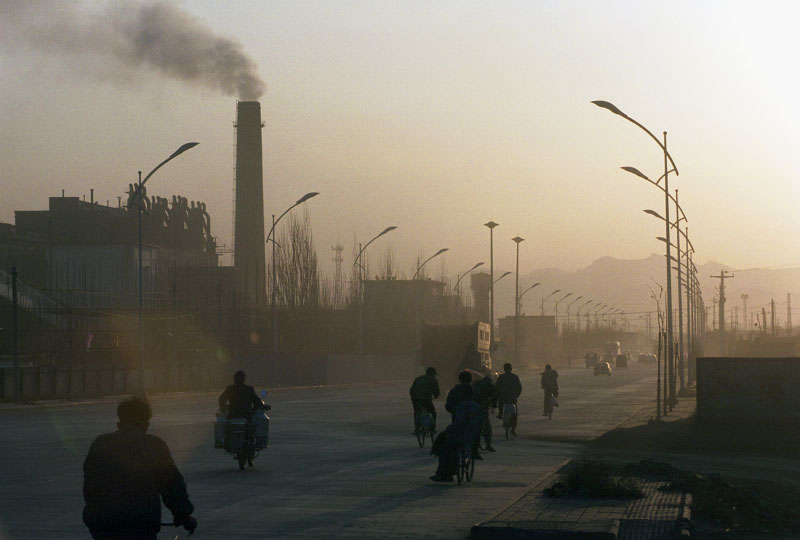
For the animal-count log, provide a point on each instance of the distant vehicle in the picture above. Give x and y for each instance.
(590, 359)
(647, 359)
(611, 350)
(622, 360)
(602, 368)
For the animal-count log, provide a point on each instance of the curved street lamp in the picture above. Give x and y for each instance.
(548, 296)
(578, 316)
(570, 305)
(140, 307)
(523, 294)
(428, 259)
(516, 240)
(270, 238)
(361, 270)
(464, 275)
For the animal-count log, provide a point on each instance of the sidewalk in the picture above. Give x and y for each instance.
(658, 515)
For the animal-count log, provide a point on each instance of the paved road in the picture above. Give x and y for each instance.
(342, 462)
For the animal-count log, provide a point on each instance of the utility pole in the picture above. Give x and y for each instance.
(722, 275)
(764, 320)
(745, 296)
(772, 315)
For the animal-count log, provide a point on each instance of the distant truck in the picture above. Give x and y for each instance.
(443, 347)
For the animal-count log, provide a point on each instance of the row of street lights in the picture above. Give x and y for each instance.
(693, 294)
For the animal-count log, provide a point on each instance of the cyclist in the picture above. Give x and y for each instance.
(507, 389)
(423, 391)
(464, 430)
(124, 476)
(550, 386)
(460, 392)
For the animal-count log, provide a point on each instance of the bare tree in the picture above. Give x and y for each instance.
(296, 264)
(388, 266)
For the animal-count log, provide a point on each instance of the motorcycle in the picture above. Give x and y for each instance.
(243, 438)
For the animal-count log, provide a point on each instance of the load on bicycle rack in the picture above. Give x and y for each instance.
(242, 438)
(423, 425)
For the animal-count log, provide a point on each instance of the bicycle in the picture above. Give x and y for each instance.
(423, 425)
(466, 465)
(550, 401)
(510, 418)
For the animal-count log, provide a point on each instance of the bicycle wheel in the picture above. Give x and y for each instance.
(421, 437)
(462, 469)
(470, 471)
(506, 426)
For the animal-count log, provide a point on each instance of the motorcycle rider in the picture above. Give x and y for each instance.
(240, 400)
(423, 391)
(508, 389)
(124, 475)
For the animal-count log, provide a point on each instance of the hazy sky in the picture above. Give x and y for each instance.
(433, 116)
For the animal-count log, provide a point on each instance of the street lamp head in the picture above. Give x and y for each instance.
(517, 239)
(610, 107)
(387, 229)
(440, 252)
(637, 172)
(305, 197)
(501, 277)
(654, 213)
(491, 224)
(183, 149)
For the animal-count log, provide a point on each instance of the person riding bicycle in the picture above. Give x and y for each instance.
(239, 400)
(457, 394)
(507, 389)
(126, 475)
(485, 396)
(464, 430)
(550, 385)
(423, 391)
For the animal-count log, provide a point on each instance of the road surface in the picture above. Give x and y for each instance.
(342, 462)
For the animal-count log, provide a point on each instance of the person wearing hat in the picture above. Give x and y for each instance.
(423, 391)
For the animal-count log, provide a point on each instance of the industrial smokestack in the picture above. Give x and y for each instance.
(249, 226)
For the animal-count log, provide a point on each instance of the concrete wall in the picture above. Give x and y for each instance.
(749, 391)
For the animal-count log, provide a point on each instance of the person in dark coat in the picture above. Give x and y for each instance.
(471, 359)
(239, 399)
(550, 385)
(423, 391)
(126, 475)
(485, 396)
(464, 430)
(507, 389)
(458, 392)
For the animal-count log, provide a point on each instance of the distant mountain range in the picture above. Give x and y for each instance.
(630, 284)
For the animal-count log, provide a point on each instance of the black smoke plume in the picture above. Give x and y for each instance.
(121, 36)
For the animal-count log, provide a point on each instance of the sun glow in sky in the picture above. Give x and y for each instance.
(437, 117)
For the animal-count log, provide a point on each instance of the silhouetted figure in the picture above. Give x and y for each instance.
(463, 390)
(550, 386)
(239, 400)
(485, 396)
(464, 430)
(423, 391)
(126, 475)
(508, 389)
(457, 394)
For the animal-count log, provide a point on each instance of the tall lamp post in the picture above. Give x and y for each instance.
(491, 225)
(516, 240)
(301, 200)
(138, 194)
(610, 107)
(361, 284)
